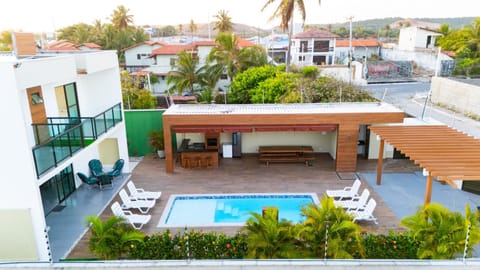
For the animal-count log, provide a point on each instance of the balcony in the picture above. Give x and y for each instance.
(62, 137)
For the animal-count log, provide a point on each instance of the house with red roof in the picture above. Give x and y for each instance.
(361, 48)
(138, 56)
(313, 47)
(66, 45)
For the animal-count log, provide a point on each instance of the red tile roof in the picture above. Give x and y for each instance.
(204, 43)
(172, 49)
(242, 43)
(62, 45)
(315, 33)
(357, 43)
(91, 45)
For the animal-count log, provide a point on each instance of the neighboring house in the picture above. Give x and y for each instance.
(166, 57)
(313, 47)
(413, 38)
(139, 55)
(65, 45)
(62, 110)
(361, 48)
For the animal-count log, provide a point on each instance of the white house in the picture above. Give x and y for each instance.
(59, 111)
(414, 37)
(139, 55)
(313, 47)
(361, 48)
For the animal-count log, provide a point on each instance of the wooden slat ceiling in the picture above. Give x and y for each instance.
(444, 152)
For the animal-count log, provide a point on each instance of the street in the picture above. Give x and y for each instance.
(410, 97)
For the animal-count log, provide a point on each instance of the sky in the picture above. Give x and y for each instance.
(50, 15)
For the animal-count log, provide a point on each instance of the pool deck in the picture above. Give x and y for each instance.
(248, 175)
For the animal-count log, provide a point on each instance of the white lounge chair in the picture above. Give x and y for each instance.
(141, 194)
(347, 192)
(366, 214)
(355, 202)
(142, 205)
(137, 221)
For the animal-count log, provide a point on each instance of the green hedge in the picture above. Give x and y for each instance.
(391, 246)
(189, 245)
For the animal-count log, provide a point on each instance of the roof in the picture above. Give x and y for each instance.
(242, 43)
(172, 49)
(91, 45)
(62, 45)
(357, 43)
(204, 43)
(412, 22)
(149, 42)
(307, 108)
(315, 33)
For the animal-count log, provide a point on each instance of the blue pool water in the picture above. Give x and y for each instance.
(230, 209)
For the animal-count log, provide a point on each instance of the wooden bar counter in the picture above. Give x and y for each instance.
(196, 156)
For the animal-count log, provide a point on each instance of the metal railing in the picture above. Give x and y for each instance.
(62, 137)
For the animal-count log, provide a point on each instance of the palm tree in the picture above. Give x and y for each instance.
(226, 53)
(120, 17)
(442, 233)
(193, 28)
(110, 239)
(224, 22)
(285, 12)
(344, 240)
(268, 238)
(185, 74)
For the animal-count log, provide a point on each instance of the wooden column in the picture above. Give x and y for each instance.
(347, 143)
(380, 162)
(167, 133)
(428, 191)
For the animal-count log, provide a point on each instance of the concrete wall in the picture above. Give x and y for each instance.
(463, 97)
(426, 59)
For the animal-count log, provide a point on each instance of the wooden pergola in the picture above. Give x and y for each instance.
(441, 151)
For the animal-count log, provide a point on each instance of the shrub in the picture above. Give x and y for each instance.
(394, 245)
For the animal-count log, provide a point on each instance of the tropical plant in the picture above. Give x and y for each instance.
(120, 17)
(224, 22)
(226, 53)
(111, 239)
(247, 80)
(285, 11)
(184, 75)
(156, 140)
(134, 95)
(394, 245)
(209, 77)
(269, 238)
(441, 234)
(254, 56)
(272, 90)
(329, 231)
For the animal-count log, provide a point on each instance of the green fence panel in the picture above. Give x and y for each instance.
(139, 123)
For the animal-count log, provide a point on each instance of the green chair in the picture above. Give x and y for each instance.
(117, 168)
(90, 181)
(96, 168)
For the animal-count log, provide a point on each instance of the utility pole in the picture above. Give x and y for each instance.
(350, 51)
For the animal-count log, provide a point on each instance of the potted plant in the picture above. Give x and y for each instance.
(156, 140)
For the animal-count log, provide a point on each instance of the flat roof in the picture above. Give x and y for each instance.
(296, 108)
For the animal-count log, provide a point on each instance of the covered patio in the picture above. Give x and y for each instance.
(442, 152)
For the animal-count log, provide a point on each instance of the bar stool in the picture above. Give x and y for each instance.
(208, 162)
(186, 163)
(198, 162)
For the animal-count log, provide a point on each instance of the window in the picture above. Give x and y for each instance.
(321, 46)
(173, 62)
(139, 56)
(223, 77)
(36, 98)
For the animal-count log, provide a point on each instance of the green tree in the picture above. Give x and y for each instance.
(285, 11)
(134, 95)
(226, 53)
(252, 57)
(224, 22)
(273, 90)
(120, 17)
(77, 33)
(441, 233)
(247, 80)
(344, 239)
(5, 41)
(184, 75)
(268, 238)
(209, 75)
(111, 239)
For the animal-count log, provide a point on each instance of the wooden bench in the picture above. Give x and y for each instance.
(286, 154)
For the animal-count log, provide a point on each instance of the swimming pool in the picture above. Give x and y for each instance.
(207, 210)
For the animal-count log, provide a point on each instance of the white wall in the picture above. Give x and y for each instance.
(462, 96)
(374, 148)
(321, 143)
(131, 55)
(18, 183)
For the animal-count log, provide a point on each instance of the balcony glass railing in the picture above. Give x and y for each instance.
(62, 136)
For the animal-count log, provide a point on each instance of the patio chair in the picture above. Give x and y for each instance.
(347, 192)
(141, 194)
(137, 221)
(355, 202)
(96, 168)
(117, 168)
(365, 214)
(142, 205)
(90, 181)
